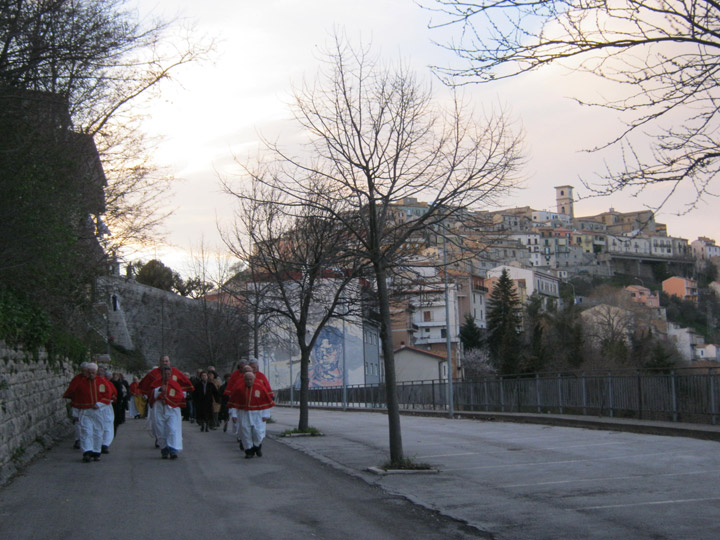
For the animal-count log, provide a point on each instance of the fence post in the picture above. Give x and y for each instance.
(713, 412)
(502, 395)
(487, 395)
(584, 393)
(432, 391)
(610, 395)
(537, 392)
(639, 395)
(560, 396)
(674, 396)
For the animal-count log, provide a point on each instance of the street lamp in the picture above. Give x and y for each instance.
(447, 331)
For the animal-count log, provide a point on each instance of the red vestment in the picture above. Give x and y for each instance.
(146, 384)
(238, 379)
(255, 398)
(108, 392)
(85, 393)
(171, 393)
(135, 389)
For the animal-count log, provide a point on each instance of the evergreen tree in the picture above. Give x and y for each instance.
(504, 322)
(471, 335)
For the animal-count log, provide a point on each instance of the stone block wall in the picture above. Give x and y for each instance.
(33, 414)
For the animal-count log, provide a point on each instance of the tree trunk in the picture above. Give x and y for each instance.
(303, 422)
(393, 408)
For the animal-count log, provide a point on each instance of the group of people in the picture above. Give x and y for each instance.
(91, 403)
(98, 406)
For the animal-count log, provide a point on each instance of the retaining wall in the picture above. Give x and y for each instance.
(33, 414)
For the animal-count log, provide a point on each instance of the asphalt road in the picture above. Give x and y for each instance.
(209, 492)
(534, 482)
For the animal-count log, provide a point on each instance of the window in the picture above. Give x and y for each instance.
(427, 316)
(443, 333)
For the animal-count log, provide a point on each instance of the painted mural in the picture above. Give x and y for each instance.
(326, 362)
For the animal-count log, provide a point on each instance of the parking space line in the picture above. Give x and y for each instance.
(649, 503)
(562, 462)
(607, 478)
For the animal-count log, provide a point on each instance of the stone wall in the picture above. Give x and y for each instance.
(152, 321)
(33, 414)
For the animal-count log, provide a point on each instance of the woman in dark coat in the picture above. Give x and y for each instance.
(204, 395)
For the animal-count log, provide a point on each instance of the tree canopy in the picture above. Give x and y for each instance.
(661, 56)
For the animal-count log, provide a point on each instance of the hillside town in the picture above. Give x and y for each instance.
(551, 259)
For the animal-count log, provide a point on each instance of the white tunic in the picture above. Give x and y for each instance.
(250, 426)
(167, 424)
(91, 429)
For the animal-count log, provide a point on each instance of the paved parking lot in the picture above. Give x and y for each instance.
(521, 481)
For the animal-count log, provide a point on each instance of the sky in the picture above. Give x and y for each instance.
(216, 111)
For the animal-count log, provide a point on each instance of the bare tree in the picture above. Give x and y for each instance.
(98, 57)
(377, 138)
(662, 55)
(300, 270)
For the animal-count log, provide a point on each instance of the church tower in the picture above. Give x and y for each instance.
(564, 200)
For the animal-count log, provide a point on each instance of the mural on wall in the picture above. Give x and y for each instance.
(326, 362)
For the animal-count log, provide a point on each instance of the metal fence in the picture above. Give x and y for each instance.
(681, 395)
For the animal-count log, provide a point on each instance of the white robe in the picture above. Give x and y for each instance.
(91, 429)
(108, 420)
(250, 426)
(167, 424)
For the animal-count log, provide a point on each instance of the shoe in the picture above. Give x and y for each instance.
(96, 456)
(241, 445)
(104, 449)
(173, 455)
(248, 454)
(258, 450)
(164, 453)
(156, 444)
(86, 457)
(76, 445)
(225, 427)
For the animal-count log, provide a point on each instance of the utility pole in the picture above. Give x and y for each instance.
(448, 344)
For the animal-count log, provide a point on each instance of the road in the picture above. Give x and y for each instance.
(535, 482)
(496, 480)
(209, 492)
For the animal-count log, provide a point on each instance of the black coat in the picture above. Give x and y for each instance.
(203, 399)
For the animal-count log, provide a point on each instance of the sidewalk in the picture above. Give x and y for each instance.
(520, 479)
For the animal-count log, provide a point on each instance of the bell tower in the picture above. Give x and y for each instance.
(564, 200)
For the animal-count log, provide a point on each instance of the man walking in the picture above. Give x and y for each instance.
(249, 406)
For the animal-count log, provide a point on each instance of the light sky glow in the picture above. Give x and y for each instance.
(264, 48)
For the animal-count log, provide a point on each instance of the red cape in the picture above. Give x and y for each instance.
(256, 398)
(85, 393)
(173, 395)
(146, 384)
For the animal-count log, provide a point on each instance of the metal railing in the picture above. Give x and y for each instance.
(679, 395)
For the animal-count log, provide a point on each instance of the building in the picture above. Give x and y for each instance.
(643, 295)
(413, 364)
(680, 287)
(704, 248)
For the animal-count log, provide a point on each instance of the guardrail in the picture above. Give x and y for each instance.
(679, 395)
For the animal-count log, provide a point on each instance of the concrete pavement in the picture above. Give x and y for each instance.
(521, 481)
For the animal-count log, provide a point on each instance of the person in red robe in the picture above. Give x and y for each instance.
(249, 406)
(154, 375)
(260, 375)
(166, 399)
(236, 377)
(86, 394)
(74, 412)
(106, 407)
